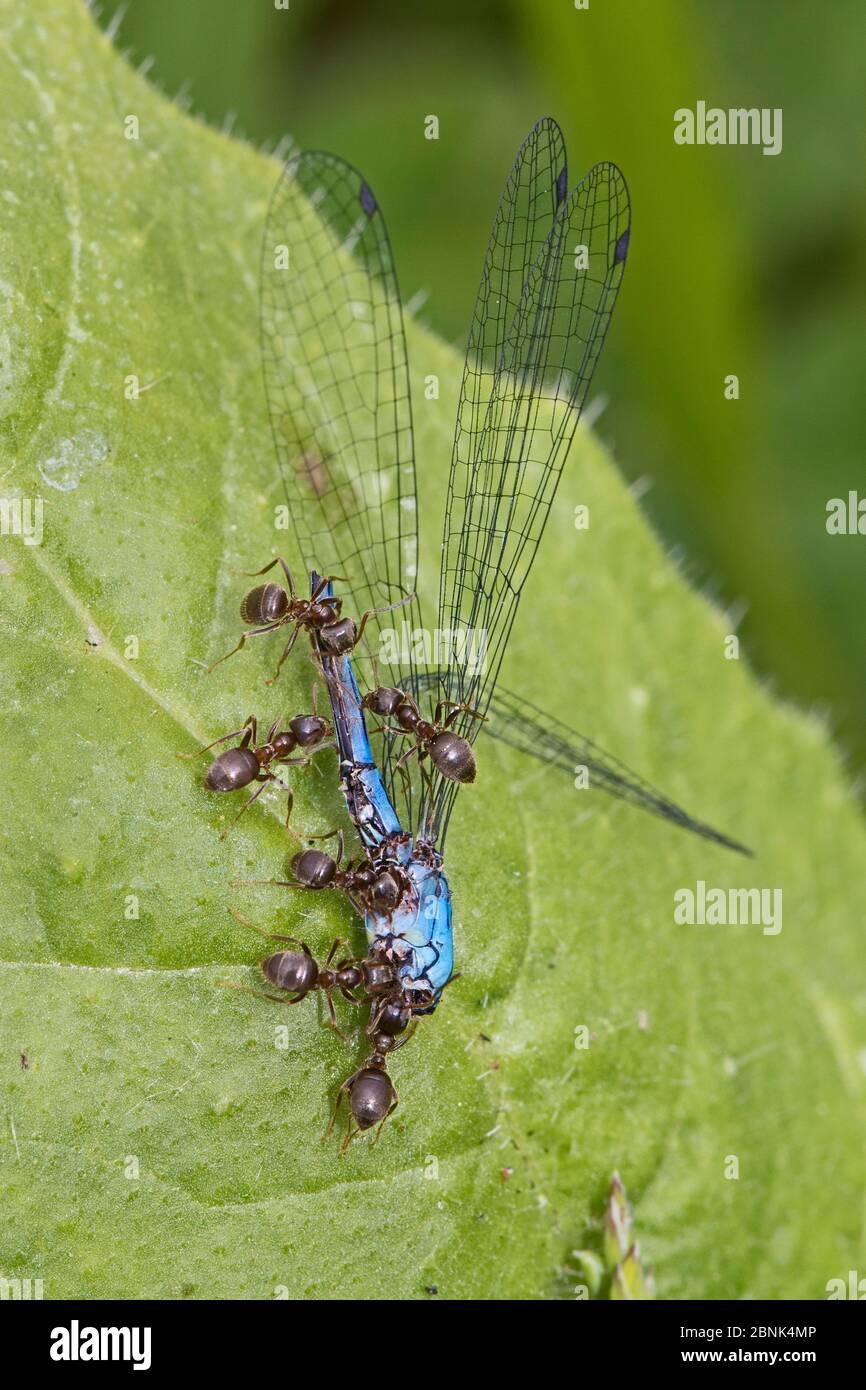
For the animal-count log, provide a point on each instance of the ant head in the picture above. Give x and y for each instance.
(382, 701)
(309, 729)
(385, 892)
(394, 1018)
(338, 637)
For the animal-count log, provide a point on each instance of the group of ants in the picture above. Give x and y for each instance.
(373, 978)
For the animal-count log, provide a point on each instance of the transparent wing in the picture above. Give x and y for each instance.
(505, 471)
(524, 726)
(337, 387)
(534, 190)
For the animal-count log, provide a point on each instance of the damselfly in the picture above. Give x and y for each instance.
(337, 385)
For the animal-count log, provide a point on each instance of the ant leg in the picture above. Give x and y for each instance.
(404, 757)
(307, 759)
(386, 608)
(454, 710)
(288, 647)
(325, 580)
(316, 659)
(278, 560)
(375, 1016)
(407, 1036)
(264, 779)
(329, 836)
(251, 632)
(332, 1016)
(343, 1089)
(359, 632)
(428, 787)
(451, 978)
(391, 729)
(289, 580)
(406, 780)
(377, 681)
(338, 941)
(350, 1135)
(268, 935)
(245, 729)
(382, 1121)
(268, 883)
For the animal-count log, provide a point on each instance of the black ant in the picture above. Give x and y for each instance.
(371, 1093)
(370, 1090)
(372, 887)
(450, 753)
(270, 606)
(298, 973)
(250, 761)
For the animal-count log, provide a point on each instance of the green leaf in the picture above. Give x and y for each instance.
(160, 1137)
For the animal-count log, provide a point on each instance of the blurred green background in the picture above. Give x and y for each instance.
(739, 263)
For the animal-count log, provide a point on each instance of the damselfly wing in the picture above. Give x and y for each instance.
(337, 384)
